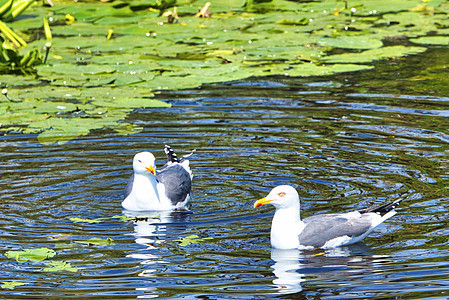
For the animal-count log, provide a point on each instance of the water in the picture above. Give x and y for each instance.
(346, 142)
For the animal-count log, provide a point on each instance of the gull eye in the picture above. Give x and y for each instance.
(139, 160)
(281, 194)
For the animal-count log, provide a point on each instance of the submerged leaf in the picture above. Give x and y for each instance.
(97, 242)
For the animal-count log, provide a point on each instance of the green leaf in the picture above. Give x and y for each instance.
(374, 54)
(308, 69)
(130, 103)
(56, 266)
(431, 40)
(11, 284)
(301, 22)
(122, 218)
(99, 220)
(84, 220)
(191, 239)
(37, 254)
(97, 242)
(93, 83)
(351, 42)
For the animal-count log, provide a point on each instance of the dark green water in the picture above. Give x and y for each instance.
(346, 142)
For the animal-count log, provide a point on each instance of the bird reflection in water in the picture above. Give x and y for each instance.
(292, 267)
(152, 228)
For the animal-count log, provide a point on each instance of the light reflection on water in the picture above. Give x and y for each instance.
(342, 150)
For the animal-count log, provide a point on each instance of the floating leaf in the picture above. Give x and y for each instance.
(122, 218)
(84, 220)
(374, 54)
(56, 266)
(11, 284)
(191, 239)
(37, 254)
(97, 242)
(131, 103)
(351, 42)
(301, 22)
(99, 220)
(431, 40)
(100, 81)
(309, 69)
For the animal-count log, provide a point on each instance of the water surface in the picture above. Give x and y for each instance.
(345, 142)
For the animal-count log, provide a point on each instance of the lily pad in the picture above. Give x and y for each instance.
(97, 242)
(99, 220)
(308, 69)
(374, 54)
(130, 103)
(11, 284)
(83, 220)
(191, 239)
(301, 22)
(79, 70)
(57, 266)
(37, 254)
(122, 218)
(431, 40)
(94, 82)
(351, 42)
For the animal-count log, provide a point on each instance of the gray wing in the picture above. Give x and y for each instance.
(177, 182)
(129, 186)
(322, 228)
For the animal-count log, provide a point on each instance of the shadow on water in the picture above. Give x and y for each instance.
(345, 142)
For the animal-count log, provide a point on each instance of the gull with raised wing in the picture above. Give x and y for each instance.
(167, 188)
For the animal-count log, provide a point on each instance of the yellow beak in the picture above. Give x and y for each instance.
(151, 170)
(261, 202)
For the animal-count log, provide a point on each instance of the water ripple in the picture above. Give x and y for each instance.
(340, 154)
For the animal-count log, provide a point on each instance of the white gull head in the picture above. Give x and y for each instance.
(286, 224)
(144, 164)
(281, 197)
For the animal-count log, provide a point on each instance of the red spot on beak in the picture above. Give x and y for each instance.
(151, 170)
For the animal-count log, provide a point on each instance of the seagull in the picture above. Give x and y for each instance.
(165, 189)
(325, 231)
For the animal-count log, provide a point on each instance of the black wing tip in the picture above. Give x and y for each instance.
(172, 157)
(382, 210)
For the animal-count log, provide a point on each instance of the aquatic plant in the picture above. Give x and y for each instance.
(109, 59)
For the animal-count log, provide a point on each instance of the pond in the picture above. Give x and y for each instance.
(345, 142)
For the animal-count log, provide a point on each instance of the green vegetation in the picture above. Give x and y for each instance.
(82, 220)
(108, 59)
(191, 239)
(99, 220)
(37, 254)
(11, 284)
(97, 242)
(10, 57)
(57, 266)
